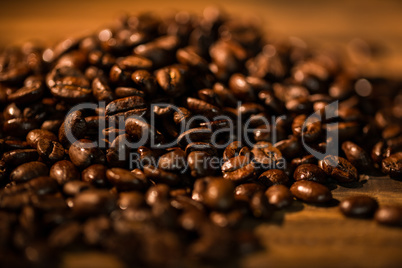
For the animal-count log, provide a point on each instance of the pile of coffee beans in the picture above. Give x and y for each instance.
(159, 138)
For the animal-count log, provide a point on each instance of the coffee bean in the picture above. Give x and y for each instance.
(93, 202)
(73, 127)
(51, 151)
(310, 172)
(279, 196)
(124, 180)
(358, 206)
(27, 94)
(202, 107)
(140, 130)
(273, 177)
(357, 156)
(173, 160)
(266, 156)
(160, 176)
(101, 90)
(239, 169)
(95, 175)
(20, 156)
(28, 171)
(219, 194)
(43, 185)
(194, 135)
(64, 171)
(339, 168)
(131, 200)
(392, 165)
(124, 104)
(171, 80)
(389, 215)
(311, 192)
(84, 153)
(260, 206)
(36, 135)
(73, 188)
(248, 189)
(19, 127)
(122, 92)
(145, 81)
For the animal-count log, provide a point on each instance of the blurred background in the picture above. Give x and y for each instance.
(374, 26)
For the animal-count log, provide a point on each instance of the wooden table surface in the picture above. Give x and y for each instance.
(304, 235)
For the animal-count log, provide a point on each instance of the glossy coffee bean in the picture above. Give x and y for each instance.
(131, 200)
(219, 194)
(125, 180)
(28, 171)
(339, 168)
(358, 206)
(95, 175)
(310, 172)
(239, 169)
(64, 171)
(20, 156)
(279, 196)
(248, 189)
(260, 206)
(357, 156)
(273, 177)
(93, 202)
(392, 165)
(84, 153)
(36, 135)
(51, 151)
(161, 176)
(389, 215)
(311, 192)
(73, 188)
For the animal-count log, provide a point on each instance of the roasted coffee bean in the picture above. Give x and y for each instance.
(43, 185)
(49, 150)
(19, 127)
(64, 171)
(289, 148)
(36, 135)
(52, 125)
(171, 79)
(188, 56)
(310, 172)
(273, 177)
(95, 175)
(202, 107)
(131, 200)
(73, 188)
(201, 164)
(70, 92)
(101, 90)
(145, 81)
(260, 206)
(15, 201)
(358, 206)
(20, 156)
(389, 215)
(160, 176)
(96, 230)
(239, 169)
(311, 192)
(357, 156)
(219, 194)
(392, 165)
(93, 202)
(84, 153)
(308, 159)
(194, 135)
(309, 129)
(339, 168)
(28, 171)
(124, 104)
(122, 92)
(279, 196)
(74, 127)
(157, 193)
(140, 130)
(27, 94)
(208, 148)
(49, 202)
(124, 180)
(248, 189)
(229, 219)
(174, 160)
(266, 155)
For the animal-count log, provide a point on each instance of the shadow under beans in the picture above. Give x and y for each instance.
(331, 203)
(355, 184)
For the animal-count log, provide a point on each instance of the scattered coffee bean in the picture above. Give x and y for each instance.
(311, 192)
(358, 206)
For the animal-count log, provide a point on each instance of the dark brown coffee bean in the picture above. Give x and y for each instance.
(15, 201)
(95, 175)
(266, 156)
(36, 135)
(392, 165)
(74, 127)
(310, 172)
(308, 159)
(140, 130)
(49, 150)
(19, 127)
(27, 94)
(358, 206)
(311, 192)
(132, 63)
(123, 92)
(188, 56)
(339, 168)
(20, 156)
(64, 171)
(43, 185)
(227, 55)
(96, 230)
(174, 160)
(28, 171)
(124, 180)
(289, 148)
(239, 169)
(208, 148)
(228, 219)
(52, 125)
(157, 193)
(145, 81)
(389, 215)
(202, 107)
(279, 196)
(101, 90)
(273, 177)
(194, 135)
(232, 150)
(357, 156)
(93, 202)
(124, 104)
(131, 200)
(248, 189)
(309, 129)
(260, 206)
(171, 80)
(84, 153)
(49, 202)
(219, 194)
(201, 164)
(160, 176)
(73, 188)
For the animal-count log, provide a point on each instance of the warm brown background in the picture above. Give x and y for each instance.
(313, 236)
